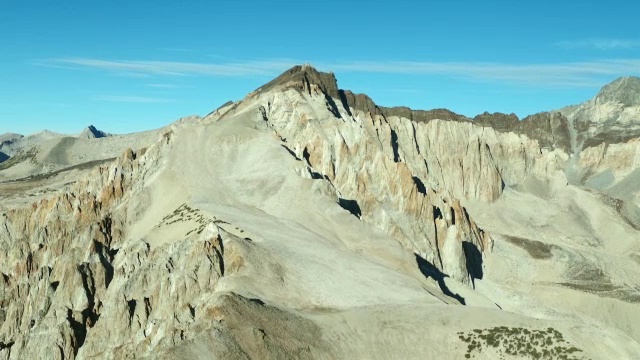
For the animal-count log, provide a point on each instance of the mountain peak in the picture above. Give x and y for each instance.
(91, 132)
(302, 77)
(625, 90)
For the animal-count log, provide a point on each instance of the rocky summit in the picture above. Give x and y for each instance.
(306, 222)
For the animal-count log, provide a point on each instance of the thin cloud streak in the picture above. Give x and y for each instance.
(249, 68)
(578, 74)
(132, 99)
(600, 44)
(566, 75)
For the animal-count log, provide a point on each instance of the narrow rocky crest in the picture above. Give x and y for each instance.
(550, 129)
(91, 132)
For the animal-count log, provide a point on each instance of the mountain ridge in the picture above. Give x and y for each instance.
(564, 129)
(551, 128)
(548, 128)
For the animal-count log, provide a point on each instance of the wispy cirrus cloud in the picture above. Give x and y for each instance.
(600, 44)
(565, 74)
(569, 74)
(173, 68)
(131, 99)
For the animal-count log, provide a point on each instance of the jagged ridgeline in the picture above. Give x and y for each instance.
(305, 222)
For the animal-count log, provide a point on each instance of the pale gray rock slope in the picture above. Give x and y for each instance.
(47, 153)
(304, 221)
(10, 137)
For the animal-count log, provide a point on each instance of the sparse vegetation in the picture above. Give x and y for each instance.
(521, 342)
(536, 249)
(186, 213)
(588, 277)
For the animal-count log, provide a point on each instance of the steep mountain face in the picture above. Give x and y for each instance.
(625, 91)
(305, 221)
(612, 117)
(605, 149)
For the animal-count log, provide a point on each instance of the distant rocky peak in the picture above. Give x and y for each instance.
(91, 132)
(303, 77)
(625, 90)
(10, 137)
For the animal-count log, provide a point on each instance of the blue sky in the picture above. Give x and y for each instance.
(127, 66)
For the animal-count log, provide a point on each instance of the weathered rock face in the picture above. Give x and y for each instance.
(58, 260)
(67, 263)
(403, 177)
(551, 129)
(375, 165)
